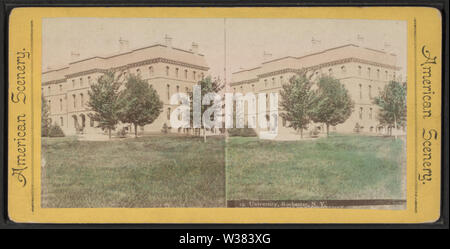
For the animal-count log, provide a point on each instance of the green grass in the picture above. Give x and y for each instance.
(338, 167)
(157, 171)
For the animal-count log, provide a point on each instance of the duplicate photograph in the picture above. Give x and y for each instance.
(223, 112)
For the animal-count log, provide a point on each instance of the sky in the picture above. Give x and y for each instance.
(236, 43)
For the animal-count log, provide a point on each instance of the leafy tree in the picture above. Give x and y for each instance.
(45, 122)
(296, 100)
(207, 85)
(140, 103)
(55, 131)
(392, 103)
(103, 101)
(331, 103)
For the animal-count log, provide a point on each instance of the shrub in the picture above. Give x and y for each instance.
(165, 129)
(55, 131)
(122, 132)
(242, 132)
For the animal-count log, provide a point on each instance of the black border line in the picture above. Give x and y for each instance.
(7, 5)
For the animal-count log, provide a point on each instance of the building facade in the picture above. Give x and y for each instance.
(363, 71)
(168, 69)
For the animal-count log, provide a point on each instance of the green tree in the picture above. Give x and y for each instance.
(392, 103)
(103, 101)
(207, 85)
(296, 100)
(331, 103)
(45, 121)
(140, 103)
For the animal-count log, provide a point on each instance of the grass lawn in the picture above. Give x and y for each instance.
(154, 171)
(338, 167)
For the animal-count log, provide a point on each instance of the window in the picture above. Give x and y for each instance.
(203, 76)
(385, 75)
(168, 91)
(359, 70)
(60, 88)
(178, 89)
(73, 83)
(74, 100)
(49, 106)
(81, 81)
(360, 112)
(60, 105)
(368, 72)
(167, 71)
(273, 81)
(81, 100)
(49, 89)
(265, 82)
(343, 69)
(61, 119)
(370, 113)
(185, 73)
(168, 113)
(370, 92)
(253, 87)
(89, 80)
(194, 75)
(176, 72)
(360, 91)
(138, 72)
(330, 71)
(281, 80)
(378, 73)
(150, 70)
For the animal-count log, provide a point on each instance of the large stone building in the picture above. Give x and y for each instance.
(166, 68)
(363, 71)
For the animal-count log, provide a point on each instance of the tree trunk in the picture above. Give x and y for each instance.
(328, 130)
(204, 135)
(135, 130)
(301, 133)
(109, 133)
(395, 126)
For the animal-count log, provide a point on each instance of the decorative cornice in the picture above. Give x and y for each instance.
(316, 67)
(127, 66)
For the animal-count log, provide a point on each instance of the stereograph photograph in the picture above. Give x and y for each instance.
(223, 112)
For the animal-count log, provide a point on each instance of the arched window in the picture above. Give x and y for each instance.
(378, 73)
(178, 89)
(168, 113)
(185, 73)
(81, 100)
(60, 105)
(370, 113)
(281, 80)
(168, 91)
(370, 92)
(360, 91)
(265, 82)
(167, 71)
(176, 72)
(343, 69)
(60, 88)
(61, 119)
(74, 100)
(360, 112)
(138, 72)
(89, 80)
(368, 72)
(194, 75)
(150, 70)
(73, 83)
(81, 81)
(273, 81)
(359, 70)
(386, 75)
(49, 89)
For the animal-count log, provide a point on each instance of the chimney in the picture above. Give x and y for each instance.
(168, 41)
(266, 56)
(360, 39)
(123, 45)
(194, 48)
(74, 56)
(315, 43)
